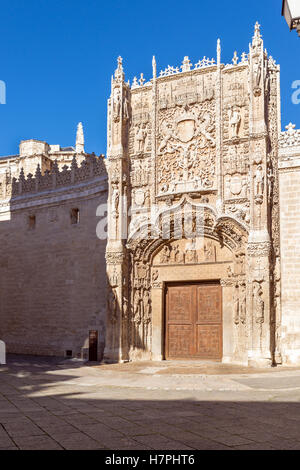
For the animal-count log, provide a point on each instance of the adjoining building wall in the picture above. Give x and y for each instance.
(53, 282)
(289, 179)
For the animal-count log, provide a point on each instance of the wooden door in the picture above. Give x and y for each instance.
(93, 345)
(194, 321)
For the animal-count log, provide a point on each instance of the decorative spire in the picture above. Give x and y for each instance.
(257, 38)
(119, 73)
(154, 66)
(218, 52)
(80, 139)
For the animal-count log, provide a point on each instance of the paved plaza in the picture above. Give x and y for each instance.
(64, 404)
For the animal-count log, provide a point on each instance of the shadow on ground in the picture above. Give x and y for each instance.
(42, 406)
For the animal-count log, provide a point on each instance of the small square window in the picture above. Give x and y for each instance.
(74, 216)
(31, 222)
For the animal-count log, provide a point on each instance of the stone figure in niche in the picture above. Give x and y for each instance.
(147, 307)
(112, 304)
(125, 108)
(259, 181)
(236, 306)
(141, 137)
(234, 121)
(259, 304)
(257, 72)
(165, 255)
(125, 308)
(191, 253)
(137, 311)
(115, 201)
(178, 255)
(209, 251)
(243, 303)
(117, 107)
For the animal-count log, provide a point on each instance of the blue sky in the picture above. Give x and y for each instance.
(57, 56)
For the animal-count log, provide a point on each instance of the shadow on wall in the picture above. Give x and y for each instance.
(51, 261)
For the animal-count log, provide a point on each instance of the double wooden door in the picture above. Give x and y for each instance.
(193, 328)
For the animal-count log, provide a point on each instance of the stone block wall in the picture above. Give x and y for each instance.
(53, 280)
(289, 171)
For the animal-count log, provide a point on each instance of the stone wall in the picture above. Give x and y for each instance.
(289, 170)
(52, 268)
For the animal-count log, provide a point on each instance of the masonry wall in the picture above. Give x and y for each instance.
(53, 280)
(290, 257)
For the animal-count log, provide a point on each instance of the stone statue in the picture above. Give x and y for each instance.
(234, 121)
(115, 200)
(137, 313)
(259, 181)
(141, 137)
(259, 304)
(112, 304)
(236, 306)
(117, 107)
(165, 254)
(125, 108)
(147, 307)
(243, 303)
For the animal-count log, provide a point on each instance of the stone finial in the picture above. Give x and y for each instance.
(135, 83)
(235, 58)
(257, 33)
(119, 72)
(257, 38)
(154, 67)
(219, 52)
(290, 128)
(55, 167)
(80, 139)
(186, 64)
(22, 175)
(244, 58)
(38, 172)
(142, 80)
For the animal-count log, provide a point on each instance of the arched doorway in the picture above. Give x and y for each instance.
(187, 296)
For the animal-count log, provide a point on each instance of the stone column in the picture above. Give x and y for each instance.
(258, 251)
(157, 301)
(116, 255)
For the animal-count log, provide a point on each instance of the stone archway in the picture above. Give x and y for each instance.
(216, 253)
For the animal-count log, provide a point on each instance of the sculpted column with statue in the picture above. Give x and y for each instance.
(260, 241)
(117, 285)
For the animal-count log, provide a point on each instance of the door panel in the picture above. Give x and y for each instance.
(93, 345)
(194, 321)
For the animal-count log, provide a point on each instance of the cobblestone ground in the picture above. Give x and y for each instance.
(58, 404)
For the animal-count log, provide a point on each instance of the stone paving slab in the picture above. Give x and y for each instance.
(54, 404)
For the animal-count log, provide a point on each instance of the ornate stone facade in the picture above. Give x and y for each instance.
(193, 173)
(203, 190)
